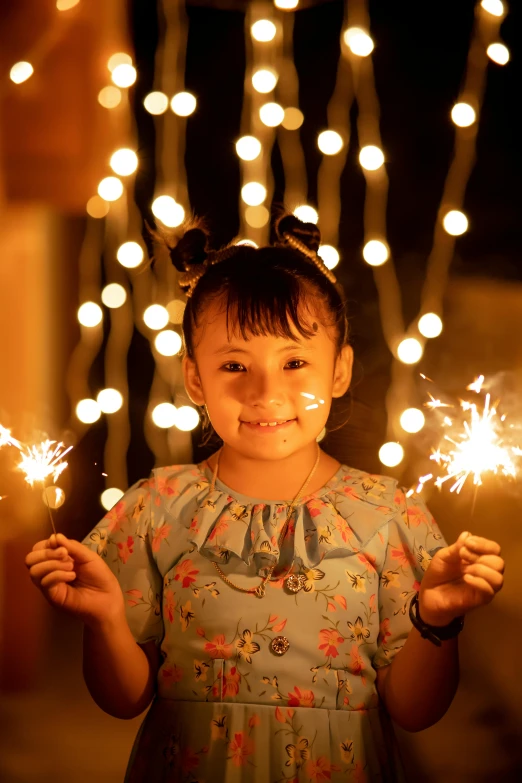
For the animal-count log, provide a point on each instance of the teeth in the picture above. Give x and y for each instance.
(269, 424)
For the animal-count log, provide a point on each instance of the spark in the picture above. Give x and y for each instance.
(476, 386)
(42, 460)
(7, 440)
(434, 403)
(425, 377)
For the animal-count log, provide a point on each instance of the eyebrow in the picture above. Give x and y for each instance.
(236, 349)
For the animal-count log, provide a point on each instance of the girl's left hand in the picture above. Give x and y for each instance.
(460, 577)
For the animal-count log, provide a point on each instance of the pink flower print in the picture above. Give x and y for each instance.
(416, 586)
(329, 640)
(341, 600)
(415, 516)
(167, 487)
(194, 525)
(368, 559)
(403, 555)
(301, 698)
(170, 604)
(229, 684)
(279, 627)
(186, 573)
(357, 664)
(319, 769)
(160, 534)
(189, 760)
(135, 600)
(315, 507)
(218, 648)
(255, 720)
(399, 498)
(220, 527)
(240, 748)
(342, 527)
(115, 517)
(384, 630)
(372, 603)
(351, 492)
(172, 674)
(359, 773)
(125, 549)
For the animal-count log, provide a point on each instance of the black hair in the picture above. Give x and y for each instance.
(264, 289)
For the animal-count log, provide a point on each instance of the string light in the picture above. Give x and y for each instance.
(455, 222)
(293, 118)
(168, 342)
(358, 41)
(183, 104)
(124, 75)
(130, 255)
(371, 158)
(307, 214)
(253, 193)
(166, 209)
(187, 418)
(120, 58)
(156, 317)
(113, 295)
(257, 217)
(330, 142)
(412, 420)
(286, 5)
(109, 497)
(109, 97)
(263, 31)
(376, 252)
(124, 162)
(463, 115)
(499, 53)
(20, 72)
(409, 350)
(175, 308)
(271, 114)
(248, 147)
(97, 207)
(88, 411)
(90, 314)
(493, 7)
(264, 80)
(329, 254)
(110, 188)
(391, 454)
(156, 102)
(430, 325)
(66, 5)
(164, 415)
(109, 400)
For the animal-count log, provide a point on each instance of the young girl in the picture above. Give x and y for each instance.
(275, 606)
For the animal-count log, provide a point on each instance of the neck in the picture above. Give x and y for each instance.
(278, 479)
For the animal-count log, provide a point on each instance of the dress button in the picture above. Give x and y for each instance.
(279, 645)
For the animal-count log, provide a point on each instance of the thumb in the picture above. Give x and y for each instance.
(460, 542)
(77, 550)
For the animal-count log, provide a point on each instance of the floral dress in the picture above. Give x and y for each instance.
(228, 708)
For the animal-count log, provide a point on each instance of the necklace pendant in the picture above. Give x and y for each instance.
(295, 582)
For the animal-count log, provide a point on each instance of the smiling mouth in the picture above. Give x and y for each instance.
(266, 425)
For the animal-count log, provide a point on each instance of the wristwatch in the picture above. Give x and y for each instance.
(435, 634)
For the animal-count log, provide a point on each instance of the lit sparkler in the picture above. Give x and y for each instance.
(7, 440)
(478, 444)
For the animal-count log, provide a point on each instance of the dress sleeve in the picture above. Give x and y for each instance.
(411, 538)
(124, 539)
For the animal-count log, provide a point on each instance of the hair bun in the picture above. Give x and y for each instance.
(190, 250)
(307, 233)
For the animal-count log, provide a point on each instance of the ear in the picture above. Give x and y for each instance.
(343, 372)
(192, 381)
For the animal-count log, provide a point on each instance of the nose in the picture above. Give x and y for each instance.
(265, 390)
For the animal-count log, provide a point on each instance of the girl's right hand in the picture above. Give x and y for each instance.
(75, 580)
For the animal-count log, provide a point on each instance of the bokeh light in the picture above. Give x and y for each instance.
(168, 342)
(90, 314)
(20, 72)
(164, 415)
(329, 255)
(110, 188)
(412, 420)
(286, 5)
(88, 411)
(271, 114)
(264, 80)
(430, 325)
(455, 222)
(409, 351)
(257, 217)
(53, 496)
(120, 58)
(187, 418)
(293, 118)
(110, 497)
(371, 158)
(263, 30)
(307, 214)
(113, 295)
(124, 75)
(183, 104)
(499, 53)
(493, 7)
(330, 142)
(175, 308)
(156, 316)
(358, 41)
(463, 115)
(376, 252)
(166, 209)
(156, 102)
(248, 147)
(391, 454)
(97, 207)
(130, 255)
(65, 5)
(124, 162)
(109, 97)
(109, 400)
(253, 193)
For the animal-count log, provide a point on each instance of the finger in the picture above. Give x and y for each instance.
(479, 584)
(77, 550)
(40, 570)
(58, 576)
(41, 545)
(46, 554)
(488, 574)
(497, 563)
(483, 545)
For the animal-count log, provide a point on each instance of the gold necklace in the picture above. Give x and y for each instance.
(259, 591)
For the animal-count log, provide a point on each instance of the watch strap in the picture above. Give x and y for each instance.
(435, 634)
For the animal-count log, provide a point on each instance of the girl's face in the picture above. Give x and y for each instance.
(268, 379)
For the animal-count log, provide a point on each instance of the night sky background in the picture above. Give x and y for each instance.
(419, 62)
